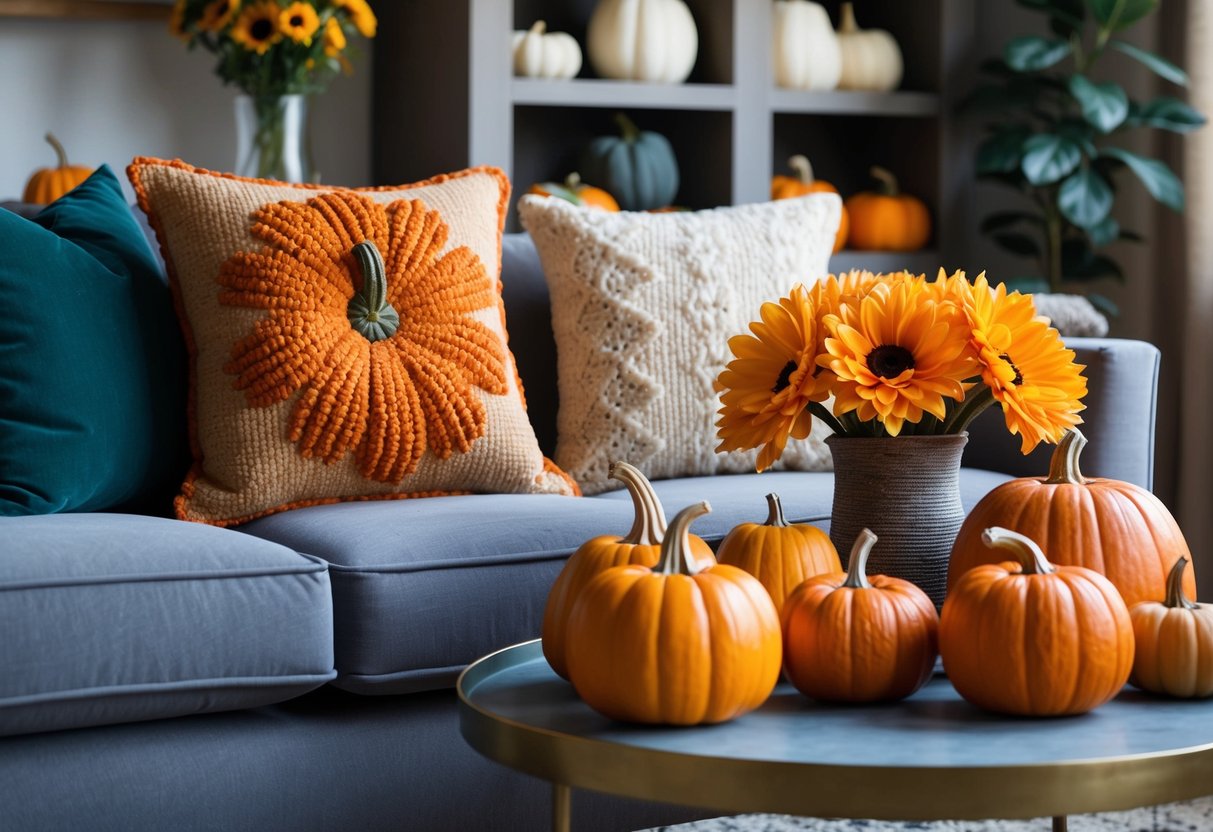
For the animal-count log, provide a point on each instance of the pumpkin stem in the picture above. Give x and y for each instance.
(627, 128)
(775, 512)
(648, 527)
(1063, 466)
(887, 182)
(846, 20)
(804, 170)
(857, 564)
(539, 27)
(59, 151)
(370, 305)
(676, 556)
(573, 181)
(1022, 547)
(1175, 587)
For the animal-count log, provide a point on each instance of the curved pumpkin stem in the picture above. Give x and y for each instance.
(857, 564)
(627, 128)
(888, 185)
(370, 306)
(775, 512)
(648, 527)
(1063, 466)
(1022, 547)
(573, 181)
(1175, 588)
(538, 27)
(676, 556)
(804, 170)
(846, 22)
(59, 151)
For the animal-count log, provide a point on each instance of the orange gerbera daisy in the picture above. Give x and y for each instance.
(370, 325)
(256, 28)
(299, 22)
(1025, 364)
(218, 14)
(360, 13)
(896, 354)
(767, 387)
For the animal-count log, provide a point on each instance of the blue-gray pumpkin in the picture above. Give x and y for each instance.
(637, 167)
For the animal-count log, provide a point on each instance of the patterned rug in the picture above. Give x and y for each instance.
(1196, 816)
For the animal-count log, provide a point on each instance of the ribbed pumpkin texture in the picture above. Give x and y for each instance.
(678, 644)
(779, 554)
(1116, 528)
(641, 545)
(48, 184)
(887, 219)
(1174, 641)
(1029, 638)
(802, 183)
(851, 638)
(637, 167)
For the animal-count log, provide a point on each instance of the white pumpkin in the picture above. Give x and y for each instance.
(805, 48)
(871, 58)
(643, 40)
(538, 54)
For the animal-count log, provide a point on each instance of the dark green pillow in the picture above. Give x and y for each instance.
(92, 367)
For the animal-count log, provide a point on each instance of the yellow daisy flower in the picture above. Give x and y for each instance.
(299, 22)
(1025, 364)
(218, 14)
(768, 385)
(896, 354)
(360, 13)
(256, 28)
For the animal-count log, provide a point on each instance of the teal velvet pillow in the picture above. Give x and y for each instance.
(92, 365)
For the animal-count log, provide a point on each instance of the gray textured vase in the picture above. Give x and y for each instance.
(906, 489)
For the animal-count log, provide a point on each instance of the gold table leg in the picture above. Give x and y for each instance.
(1060, 824)
(562, 808)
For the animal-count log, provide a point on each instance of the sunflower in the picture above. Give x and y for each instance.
(256, 28)
(1024, 364)
(389, 398)
(360, 13)
(299, 22)
(218, 14)
(176, 21)
(767, 387)
(334, 38)
(896, 354)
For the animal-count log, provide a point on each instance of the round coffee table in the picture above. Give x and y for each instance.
(930, 757)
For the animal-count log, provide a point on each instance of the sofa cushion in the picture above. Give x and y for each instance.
(116, 618)
(421, 588)
(346, 344)
(92, 365)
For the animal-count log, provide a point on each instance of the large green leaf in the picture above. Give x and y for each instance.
(1020, 244)
(1119, 14)
(1080, 262)
(1005, 219)
(1047, 158)
(1103, 105)
(1159, 66)
(1167, 114)
(1078, 131)
(1104, 232)
(1030, 53)
(1001, 152)
(1085, 198)
(1162, 184)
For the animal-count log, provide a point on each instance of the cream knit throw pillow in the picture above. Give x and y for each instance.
(643, 306)
(299, 395)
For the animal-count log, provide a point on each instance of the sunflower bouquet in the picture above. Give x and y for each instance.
(897, 354)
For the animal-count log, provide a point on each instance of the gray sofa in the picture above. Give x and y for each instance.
(296, 673)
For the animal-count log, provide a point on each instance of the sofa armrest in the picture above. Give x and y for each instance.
(1122, 395)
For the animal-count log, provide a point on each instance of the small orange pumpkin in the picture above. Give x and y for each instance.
(887, 220)
(1116, 528)
(679, 644)
(779, 554)
(801, 183)
(1034, 639)
(1174, 641)
(641, 545)
(48, 184)
(577, 192)
(851, 638)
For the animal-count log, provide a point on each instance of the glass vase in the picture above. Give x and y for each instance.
(271, 138)
(906, 489)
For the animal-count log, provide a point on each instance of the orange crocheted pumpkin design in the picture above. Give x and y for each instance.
(371, 325)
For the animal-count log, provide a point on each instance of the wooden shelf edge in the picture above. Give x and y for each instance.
(592, 92)
(845, 102)
(84, 10)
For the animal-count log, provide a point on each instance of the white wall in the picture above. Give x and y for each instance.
(112, 90)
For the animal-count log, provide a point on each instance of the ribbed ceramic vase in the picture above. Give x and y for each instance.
(906, 489)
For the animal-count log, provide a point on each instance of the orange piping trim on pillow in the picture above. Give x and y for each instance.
(552, 468)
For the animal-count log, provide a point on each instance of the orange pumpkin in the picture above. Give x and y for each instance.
(1116, 528)
(779, 554)
(887, 220)
(48, 184)
(1174, 641)
(577, 192)
(851, 638)
(801, 183)
(1030, 638)
(679, 644)
(641, 545)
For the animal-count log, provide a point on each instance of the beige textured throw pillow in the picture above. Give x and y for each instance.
(345, 344)
(643, 306)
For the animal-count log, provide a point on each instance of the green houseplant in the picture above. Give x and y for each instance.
(1056, 135)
